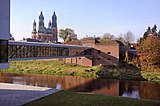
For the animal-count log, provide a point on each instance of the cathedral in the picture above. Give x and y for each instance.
(44, 34)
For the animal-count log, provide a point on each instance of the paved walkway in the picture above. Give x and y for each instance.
(16, 95)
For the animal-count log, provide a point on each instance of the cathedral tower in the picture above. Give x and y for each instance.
(44, 34)
(54, 26)
(34, 31)
(41, 20)
(41, 28)
(49, 25)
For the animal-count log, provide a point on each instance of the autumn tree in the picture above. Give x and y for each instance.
(148, 51)
(67, 34)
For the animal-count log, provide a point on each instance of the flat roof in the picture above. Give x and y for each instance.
(45, 44)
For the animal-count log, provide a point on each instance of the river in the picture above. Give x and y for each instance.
(131, 89)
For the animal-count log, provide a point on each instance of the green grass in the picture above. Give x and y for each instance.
(66, 98)
(151, 76)
(51, 67)
(54, 67)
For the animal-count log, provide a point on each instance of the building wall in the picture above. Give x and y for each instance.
(104, 54)
(44, 37)
(83, 61)
(77, 52)
(107, 54)
(4, 32)
(89, 43)
(34, 36)
(55, 31)
(4, 19)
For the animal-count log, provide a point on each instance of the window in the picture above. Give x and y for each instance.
(108, 52)
(3, 51)
(108, 59)
(99, 51)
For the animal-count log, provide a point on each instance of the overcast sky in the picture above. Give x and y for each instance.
(86, 17)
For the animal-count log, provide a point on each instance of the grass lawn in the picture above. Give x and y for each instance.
(66, 98)
(151, 76)
(51, 67)
(54, 67)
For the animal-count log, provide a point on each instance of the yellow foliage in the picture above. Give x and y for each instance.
(149, 51)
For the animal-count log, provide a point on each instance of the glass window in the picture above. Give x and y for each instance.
(3, 51)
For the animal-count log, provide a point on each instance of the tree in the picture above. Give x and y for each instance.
(120, 38)
(67, 34)
(11, 37)
(129, 37)
(151, 32)
(159, 34)
(139, 40)
(148, 51)
(154, 29)
(108, 36)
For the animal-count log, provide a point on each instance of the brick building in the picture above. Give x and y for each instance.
(45, 34)
(104, 52)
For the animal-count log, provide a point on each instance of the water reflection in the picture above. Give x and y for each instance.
(129, 89)
(133, 89)
(58, 86)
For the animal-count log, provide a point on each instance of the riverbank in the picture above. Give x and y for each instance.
(51, 67)
(54, 67)
(66, 98)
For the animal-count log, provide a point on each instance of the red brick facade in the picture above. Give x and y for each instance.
(83, 61)
(108, 53)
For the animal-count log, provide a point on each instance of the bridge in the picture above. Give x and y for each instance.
(34, 50)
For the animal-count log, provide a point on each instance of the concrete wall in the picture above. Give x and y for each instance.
(4, 19)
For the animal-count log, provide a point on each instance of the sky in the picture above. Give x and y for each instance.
(86, 17)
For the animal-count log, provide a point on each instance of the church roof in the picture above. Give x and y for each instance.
(41, 15)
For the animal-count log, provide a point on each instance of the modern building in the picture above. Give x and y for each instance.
(4, 32)
(44, 34)
(104, 52)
